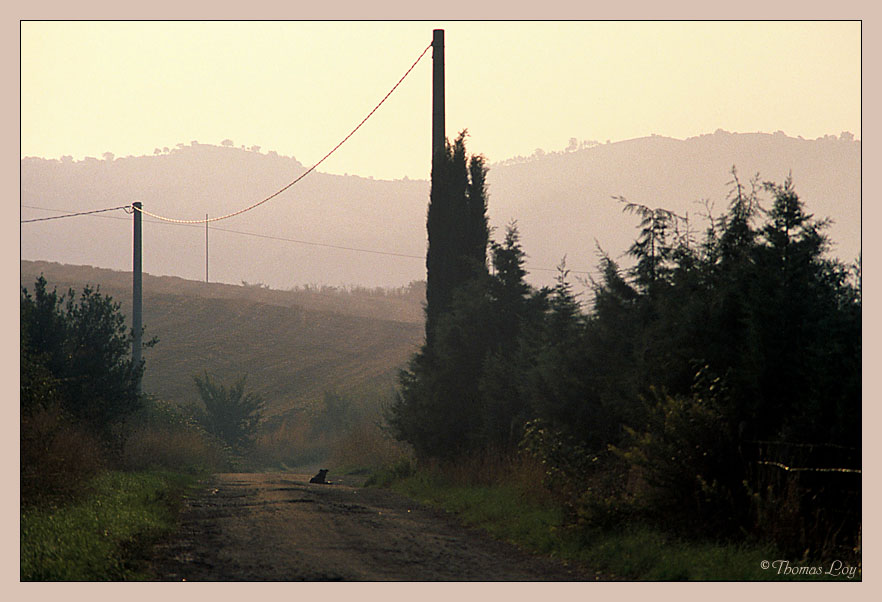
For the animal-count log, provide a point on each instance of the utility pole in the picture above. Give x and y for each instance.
(438, 139)
(136, 289)
(206, 248)
(436, 194)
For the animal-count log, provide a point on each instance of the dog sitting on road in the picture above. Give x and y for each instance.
(320, 477)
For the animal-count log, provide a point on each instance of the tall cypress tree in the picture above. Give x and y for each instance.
(457, 228)
(438, 391)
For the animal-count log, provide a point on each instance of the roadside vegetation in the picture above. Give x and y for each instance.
(106, 533)
(505, 497)
(507, 503)
(709, 395)
(103, 467)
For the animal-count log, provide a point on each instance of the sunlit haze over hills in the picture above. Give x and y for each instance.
(208, 118)
(298, 88)
(351, 230)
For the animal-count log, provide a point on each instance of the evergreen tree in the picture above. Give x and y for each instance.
(77, 352)
(508, 290)
(809, 323)
(457, 228)
(463, 395)
(515, 311)
(655, 246)
(438, 408)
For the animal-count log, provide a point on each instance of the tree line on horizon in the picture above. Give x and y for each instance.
(718, 360)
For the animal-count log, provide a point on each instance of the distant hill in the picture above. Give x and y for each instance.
(322, 230)
(294, 346)
(565, 200)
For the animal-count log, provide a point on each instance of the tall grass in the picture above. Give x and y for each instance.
(57, 457)
(171, 449)
(363, 446)
(90, 508)
(501, 495)
(105, 535)
(367, 447)
(289, 445)
(163, 437)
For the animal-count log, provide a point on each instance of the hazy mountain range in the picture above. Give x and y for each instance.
(351, 230)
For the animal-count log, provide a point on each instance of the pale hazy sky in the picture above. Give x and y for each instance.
(299, 87)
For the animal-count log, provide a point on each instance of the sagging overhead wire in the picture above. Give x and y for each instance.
(304, 174)
(126, 208)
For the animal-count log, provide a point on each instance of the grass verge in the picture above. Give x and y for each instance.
(635, 553)
(106, 534)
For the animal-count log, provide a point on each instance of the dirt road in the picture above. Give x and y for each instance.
(279, 527)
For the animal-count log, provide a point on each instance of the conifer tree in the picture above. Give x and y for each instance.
(457, 228)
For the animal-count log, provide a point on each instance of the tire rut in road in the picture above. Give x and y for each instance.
(279, 527)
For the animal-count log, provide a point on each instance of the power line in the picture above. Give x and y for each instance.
(43, 219)
(532, 269)
(359, 250)
(319, 244)
(293, 240)
(275, 194)
(304, 174)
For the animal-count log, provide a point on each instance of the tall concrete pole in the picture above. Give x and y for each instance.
(136, 289)
(438, 139)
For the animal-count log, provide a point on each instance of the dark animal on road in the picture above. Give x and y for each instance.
(320, 477)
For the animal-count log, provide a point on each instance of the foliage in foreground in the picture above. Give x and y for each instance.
(76, 356)
(78, 386)
(105, 535)
(717, 381)
(501, 497)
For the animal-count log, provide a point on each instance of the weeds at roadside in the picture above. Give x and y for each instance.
(104, 535)
(504, 502)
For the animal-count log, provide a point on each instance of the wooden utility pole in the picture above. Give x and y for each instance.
(438, 139)
(136, 289)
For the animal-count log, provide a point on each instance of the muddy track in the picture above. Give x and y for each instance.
(279, 527)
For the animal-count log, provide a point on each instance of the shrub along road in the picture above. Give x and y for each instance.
(280, 527)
